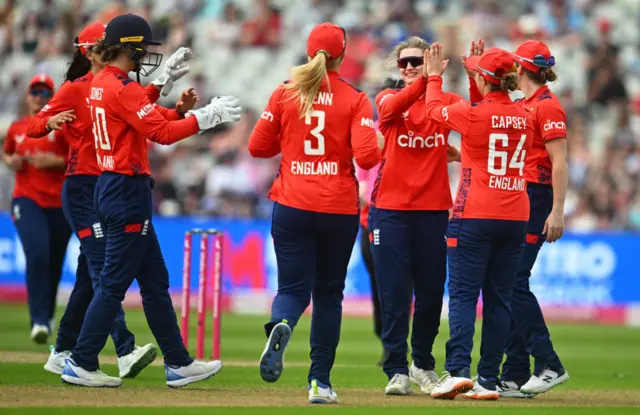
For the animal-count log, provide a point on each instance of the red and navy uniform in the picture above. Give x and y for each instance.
(38, 217)
(488, 219)
(408, 222)
(315, 217)
(529, 334)
(123, 119)
(77, 203)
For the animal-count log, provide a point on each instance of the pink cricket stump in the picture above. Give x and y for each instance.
(186, 289)
(217, 293)
(202, 293)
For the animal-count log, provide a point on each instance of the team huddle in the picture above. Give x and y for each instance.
(510, 200)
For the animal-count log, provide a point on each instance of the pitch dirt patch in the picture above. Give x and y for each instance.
(67, 396)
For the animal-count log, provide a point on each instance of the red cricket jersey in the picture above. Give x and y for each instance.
(413, 174)
(123, 119)
(316, 170)
(82, 150)
(43, 186)
(496, 135)
(550, 123)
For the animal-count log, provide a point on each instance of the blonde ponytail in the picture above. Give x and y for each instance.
(306, 81)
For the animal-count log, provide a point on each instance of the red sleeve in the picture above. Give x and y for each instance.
(169, 114)
(364, 141)
(551, 119)
(152, 93)
(474, 92)
(391, 104)
(63, 100)
(264, 141)
(455, 117)
(453, 98)
(9, 141)
(142, 115)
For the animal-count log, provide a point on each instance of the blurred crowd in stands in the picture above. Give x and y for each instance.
(244, 47)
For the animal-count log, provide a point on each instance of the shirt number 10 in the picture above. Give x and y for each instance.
(100, 128)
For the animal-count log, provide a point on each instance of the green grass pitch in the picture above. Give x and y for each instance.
(603, 362)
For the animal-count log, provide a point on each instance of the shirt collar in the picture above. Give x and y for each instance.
(499, 96)
(115, 69)
(538, 92)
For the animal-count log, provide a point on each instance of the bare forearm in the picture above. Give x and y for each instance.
(560, 178)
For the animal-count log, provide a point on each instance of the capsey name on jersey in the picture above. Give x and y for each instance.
(310, 168)
(514, 123)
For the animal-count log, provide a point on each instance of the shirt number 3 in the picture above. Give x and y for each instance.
(309, 148)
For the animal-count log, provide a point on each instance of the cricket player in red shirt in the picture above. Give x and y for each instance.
(319, 123)
(123, 118)
(36, 205)
(546, 173)
(69, 106)
(408, 222)
(486, 233)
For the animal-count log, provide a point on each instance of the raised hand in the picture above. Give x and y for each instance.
(174, 69)
(188, 100)
(476, 48)
(433, 62)
(55, 122)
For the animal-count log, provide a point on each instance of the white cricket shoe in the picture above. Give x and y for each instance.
(448, 387)
(510, 389)
(548, 379)
(322, 394)
(75, 375)
(398, 385)
(57, 361)
(426, 379)
(481, 393)
(40, 333)
(178, 377)
(132, 364)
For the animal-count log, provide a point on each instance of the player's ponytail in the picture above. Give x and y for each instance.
(306, 81)
(543, 76)
(78, 67)
(509, 82)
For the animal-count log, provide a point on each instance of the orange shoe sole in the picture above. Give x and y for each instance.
(460, 388)
(485, 397)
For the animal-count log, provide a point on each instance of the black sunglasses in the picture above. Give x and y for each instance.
(415, 61)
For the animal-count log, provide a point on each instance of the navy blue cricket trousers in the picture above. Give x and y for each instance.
(312, 251)
(44, 234)
(124, 207)
(529, 333)
(484, 255)
(409, 248)
(77, 204)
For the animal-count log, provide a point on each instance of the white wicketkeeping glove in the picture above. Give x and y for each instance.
(218, 111)
(174, 69)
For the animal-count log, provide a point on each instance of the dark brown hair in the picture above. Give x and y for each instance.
(109, 53)
(509, 82)
(543, 76)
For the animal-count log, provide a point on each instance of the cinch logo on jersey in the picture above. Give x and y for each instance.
(557, 125)
(324, 98)
(144, 111)
(507, 183)
(267, 115)
(96, 93)
(412, 141)
(367, 122)
(309, 168)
